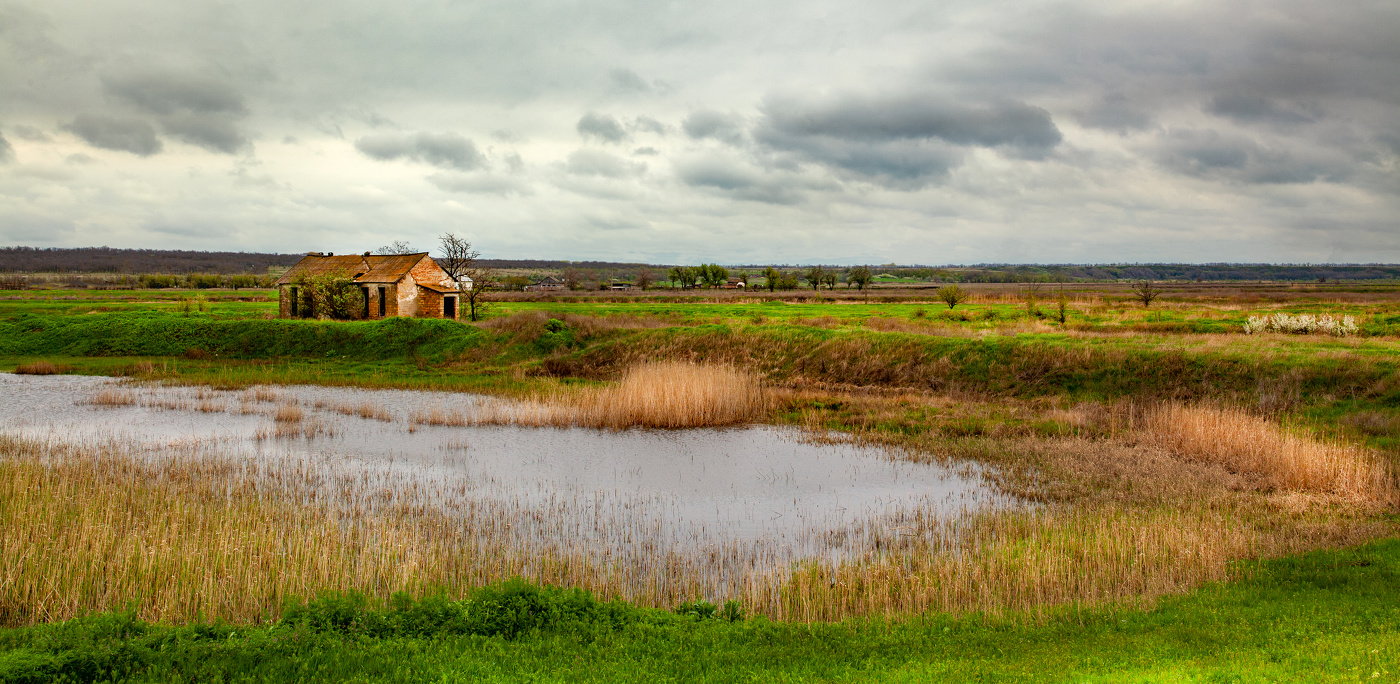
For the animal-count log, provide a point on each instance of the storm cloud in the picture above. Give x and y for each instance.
(199, 110)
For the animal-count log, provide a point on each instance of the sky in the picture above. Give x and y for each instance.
(835, 132)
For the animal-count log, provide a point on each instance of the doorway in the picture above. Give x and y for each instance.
(449, 307)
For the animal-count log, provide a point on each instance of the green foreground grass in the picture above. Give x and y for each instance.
(1326, 616)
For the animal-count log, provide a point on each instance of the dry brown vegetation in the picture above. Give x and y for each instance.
(1245, 443)
(653, 395)
(39, 368)
(113, 397)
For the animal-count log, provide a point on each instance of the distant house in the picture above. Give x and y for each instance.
(736, 283)
(548, 283)
(393, 284)
(617, 285)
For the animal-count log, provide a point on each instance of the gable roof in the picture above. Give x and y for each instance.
(372, 268)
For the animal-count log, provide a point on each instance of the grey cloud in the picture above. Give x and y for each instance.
(7, 151)
(168, 92)
(1249, 107)
(901, 143)
(1209, 154)
(744, 182)
(31, 134)
(480, 183)
(647, 124)
(628, 81)
(110, 133)
(446, 150)
(196, 109)
(587, 162)
(1115, 112)
(646, 152)
(1020, 128)
(602, 127)
(717, 125)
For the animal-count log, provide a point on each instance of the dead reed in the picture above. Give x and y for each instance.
(288, 413)
(651, 395)
(1246, 443)
(196, 534)
(113, 398)
(39, 368)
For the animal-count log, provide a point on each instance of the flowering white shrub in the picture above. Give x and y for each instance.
(1302, 324)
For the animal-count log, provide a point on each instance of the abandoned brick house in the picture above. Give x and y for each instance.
(393, 285)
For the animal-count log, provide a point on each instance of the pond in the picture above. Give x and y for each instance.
(774, 491)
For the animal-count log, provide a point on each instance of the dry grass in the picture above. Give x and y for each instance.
(365, 409)
(39, 368)
(652, 395)
(195, 534)
(113, 398)
(1249, 444)
(288, 413)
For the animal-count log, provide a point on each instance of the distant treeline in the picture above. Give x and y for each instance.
(148, 261)
(109, 260)
(1007, 273)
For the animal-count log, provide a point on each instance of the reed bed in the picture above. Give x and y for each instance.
(113, 398)
(39, 368)
(192, 533)
(651, 395)
(1285, 460)
(288, 413)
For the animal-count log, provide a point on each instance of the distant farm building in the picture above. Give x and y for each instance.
(548, 283)
(393, 284)
(735, 284)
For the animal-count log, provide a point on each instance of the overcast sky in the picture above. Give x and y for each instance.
(731, 131)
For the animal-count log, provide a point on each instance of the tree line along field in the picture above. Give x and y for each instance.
(1201, 513)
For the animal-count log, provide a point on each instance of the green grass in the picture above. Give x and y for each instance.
(1321, 617)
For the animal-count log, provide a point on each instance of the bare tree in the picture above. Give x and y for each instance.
(644, 278)
(1145, 291)
(952, 295)
(572, 277)
(459, 260)
(397, 247)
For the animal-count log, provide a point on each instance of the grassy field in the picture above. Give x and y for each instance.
(1167, 451)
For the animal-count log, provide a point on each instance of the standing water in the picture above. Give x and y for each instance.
(770, 491)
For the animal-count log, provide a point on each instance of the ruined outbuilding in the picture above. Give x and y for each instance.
(392, 284)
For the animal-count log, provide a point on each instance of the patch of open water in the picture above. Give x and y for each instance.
(682, 490)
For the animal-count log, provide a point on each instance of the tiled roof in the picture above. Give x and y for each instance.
(374, 268)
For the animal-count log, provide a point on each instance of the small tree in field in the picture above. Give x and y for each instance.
(859, 276)
(1145, 291)
(460, 260)
(952, 295)
(771, 276)
(813, 276)
(830, 278)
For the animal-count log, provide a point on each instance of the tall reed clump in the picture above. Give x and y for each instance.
(38, 368)
(670, 395)
(651, 395)
(1246, 443)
